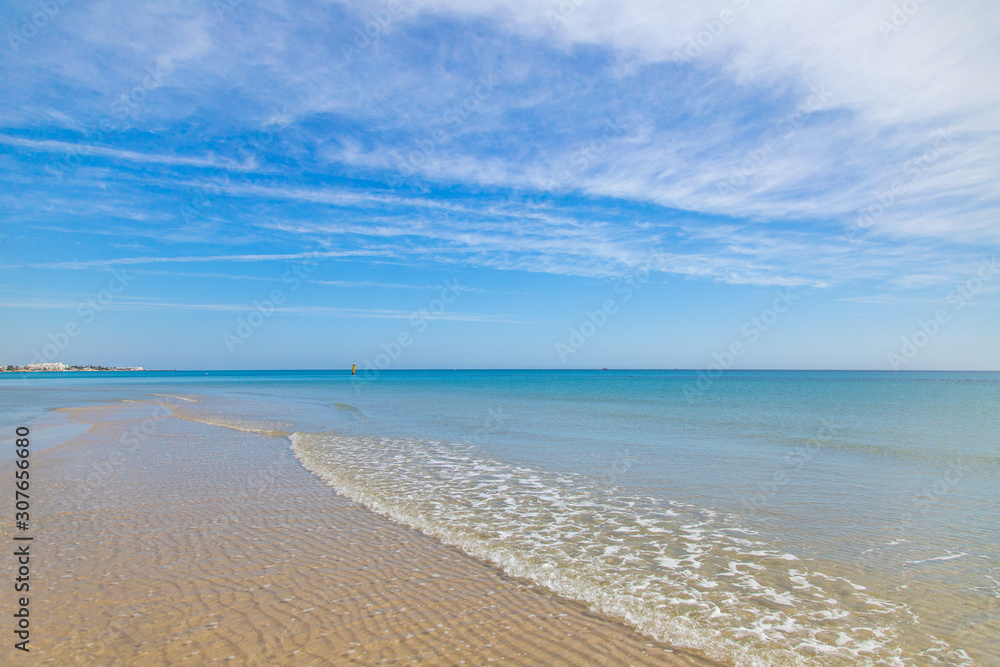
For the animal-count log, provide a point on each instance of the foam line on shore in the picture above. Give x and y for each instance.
(208, 545)
(688, 576)
(243, 425)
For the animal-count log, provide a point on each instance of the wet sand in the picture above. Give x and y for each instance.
(165, 541)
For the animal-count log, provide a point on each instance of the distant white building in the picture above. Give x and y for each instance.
(50, 366)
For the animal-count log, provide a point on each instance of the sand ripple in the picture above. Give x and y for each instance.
(163, 541)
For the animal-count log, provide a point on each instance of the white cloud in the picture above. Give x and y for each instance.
(687, 128)
(891, 91)
(320, 311)
(86, 149)
(128, 261)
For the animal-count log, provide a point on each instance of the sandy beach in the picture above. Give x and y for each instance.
(165, 541)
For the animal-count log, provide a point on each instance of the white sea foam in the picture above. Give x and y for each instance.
(179, 398)
(937, 558)
(245, 425)
(685, 575)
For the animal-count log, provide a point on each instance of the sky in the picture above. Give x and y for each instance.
(519, 184)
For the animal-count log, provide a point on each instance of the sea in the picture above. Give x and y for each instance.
(758, 517)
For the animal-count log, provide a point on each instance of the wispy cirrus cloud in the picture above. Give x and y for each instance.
(551, 140)
(317, 311)
(128, 261)
(86, 149)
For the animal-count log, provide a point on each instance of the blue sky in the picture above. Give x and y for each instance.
(500, 184)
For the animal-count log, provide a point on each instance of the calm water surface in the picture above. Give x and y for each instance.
(761, 517)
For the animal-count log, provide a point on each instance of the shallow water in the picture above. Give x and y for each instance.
(761, 517)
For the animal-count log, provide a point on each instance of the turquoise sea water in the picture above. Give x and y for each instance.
(760, 517)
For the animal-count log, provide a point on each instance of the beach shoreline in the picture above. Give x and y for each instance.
(162, 540)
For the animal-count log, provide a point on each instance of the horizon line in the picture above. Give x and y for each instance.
(406, 370)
